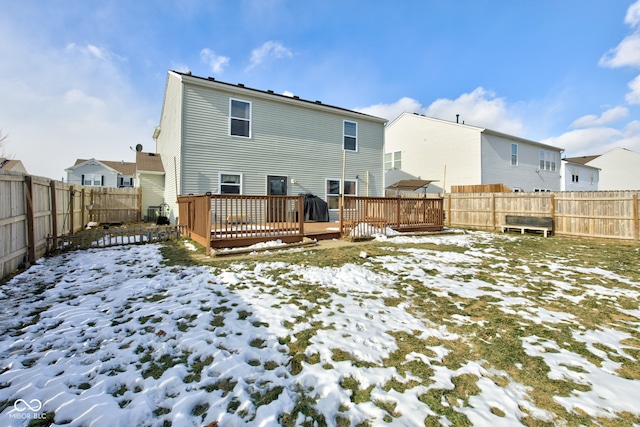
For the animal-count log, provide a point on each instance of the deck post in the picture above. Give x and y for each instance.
(301, 214)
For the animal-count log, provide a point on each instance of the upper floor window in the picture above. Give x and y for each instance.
(393, 160)
(350, 140)
(230, 183)
(514, 154)
(547, 160)
(574, 175)
(240, 118)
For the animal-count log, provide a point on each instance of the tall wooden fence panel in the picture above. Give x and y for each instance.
(13, 223)
(33, 209)
(602, 214)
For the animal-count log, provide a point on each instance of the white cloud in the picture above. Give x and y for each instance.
(478, 108)
(591, 120)
(598, 140)
(268, 50)
(627, 53)
(215, 62)
(633, 14)
(182, 68)
(391, 111)
(633, 97)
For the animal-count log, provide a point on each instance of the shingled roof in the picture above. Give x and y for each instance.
(148, 162)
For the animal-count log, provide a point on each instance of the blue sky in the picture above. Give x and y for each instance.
(83, 79)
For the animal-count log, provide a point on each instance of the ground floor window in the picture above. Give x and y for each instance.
(230, 183)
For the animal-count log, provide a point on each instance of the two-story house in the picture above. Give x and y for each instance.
(230, 139)
(459, 154)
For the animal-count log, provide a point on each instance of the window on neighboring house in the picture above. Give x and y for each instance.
(93, 180)
(230, 183)
(547, 160)
(240, 118)
(514, 154)
(350, 136)
(393, 160)
(574, 174)
(334, 193)
(125, 182)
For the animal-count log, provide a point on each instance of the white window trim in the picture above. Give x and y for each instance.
(344, 135)
(511, 154)
(553, 163)
(340, 189)
(250, 119)
(220, 183)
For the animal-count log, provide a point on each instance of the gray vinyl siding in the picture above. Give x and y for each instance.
(169, 142)
(497, 168)
(301, 143)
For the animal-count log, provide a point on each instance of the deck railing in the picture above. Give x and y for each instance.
(363, 216)
(215, 220)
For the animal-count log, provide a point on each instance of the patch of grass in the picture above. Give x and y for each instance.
(200, 410)
(305, 405)
(157, 367)
(257, 343)
(358, 395)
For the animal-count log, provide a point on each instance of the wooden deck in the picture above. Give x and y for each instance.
(218, 221)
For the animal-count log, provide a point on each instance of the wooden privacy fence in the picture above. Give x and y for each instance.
(216, 220)
(601, 214)
(363, 216)
(33, 208)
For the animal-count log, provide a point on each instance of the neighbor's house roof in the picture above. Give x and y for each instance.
(149, 162)
(12, 165)
(582, 160)
(269, 94)
(122, 167)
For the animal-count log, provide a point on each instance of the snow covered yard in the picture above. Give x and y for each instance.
(466, 329)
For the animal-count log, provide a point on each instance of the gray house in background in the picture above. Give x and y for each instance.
(230, 139)
(459, 154)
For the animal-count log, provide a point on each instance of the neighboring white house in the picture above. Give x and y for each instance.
(619, 169)
(460, 154)
(230, 139)
(577, 176)
(102, 173)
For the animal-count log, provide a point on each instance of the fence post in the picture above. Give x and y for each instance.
(54, 214)
(636, 226)
(552, 210)
(449, 209)
(301, 214)
(71, 210)
(31, 238)
(493, 211)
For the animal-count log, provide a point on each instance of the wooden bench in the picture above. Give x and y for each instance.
(533, 223)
